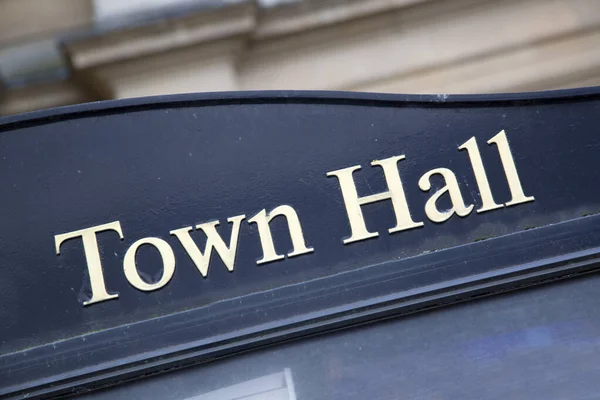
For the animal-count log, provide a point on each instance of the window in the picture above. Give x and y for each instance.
(538, 343)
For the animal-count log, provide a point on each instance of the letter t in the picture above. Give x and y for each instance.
(92, 256)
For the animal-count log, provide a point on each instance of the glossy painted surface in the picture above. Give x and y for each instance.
(162, 164)
(540, 343)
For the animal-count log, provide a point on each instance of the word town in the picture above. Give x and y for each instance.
(226, 249)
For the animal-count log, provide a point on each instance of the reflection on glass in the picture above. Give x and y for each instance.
(538, 343)
(277, 386)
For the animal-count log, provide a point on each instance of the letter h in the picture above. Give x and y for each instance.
(354, 203)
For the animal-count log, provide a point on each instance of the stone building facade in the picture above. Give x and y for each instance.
(60, 52)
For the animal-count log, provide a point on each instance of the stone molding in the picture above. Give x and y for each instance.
(460, 46)
(162, 36)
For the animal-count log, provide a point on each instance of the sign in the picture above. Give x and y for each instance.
(226, 248)
(122, 214)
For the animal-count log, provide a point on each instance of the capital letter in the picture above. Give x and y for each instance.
(262, 220)
(213, 240)
(458, 204)
(395, 194)
(483, 184)
(92, 257)
(130, 267)
(510, 169)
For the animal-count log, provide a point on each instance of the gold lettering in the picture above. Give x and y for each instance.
(262, 220)
(353, 203)
(481, 178)
(510, 169)
(213, 240)
(458, 204)
(130, 267)
(92, 257)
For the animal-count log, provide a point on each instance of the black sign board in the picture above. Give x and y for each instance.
(142, 234)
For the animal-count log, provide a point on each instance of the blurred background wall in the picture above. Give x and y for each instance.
(60, 52)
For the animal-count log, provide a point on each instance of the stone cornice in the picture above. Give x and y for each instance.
(371, 45)
(245, 18)
(312, 14)
(204, 27)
